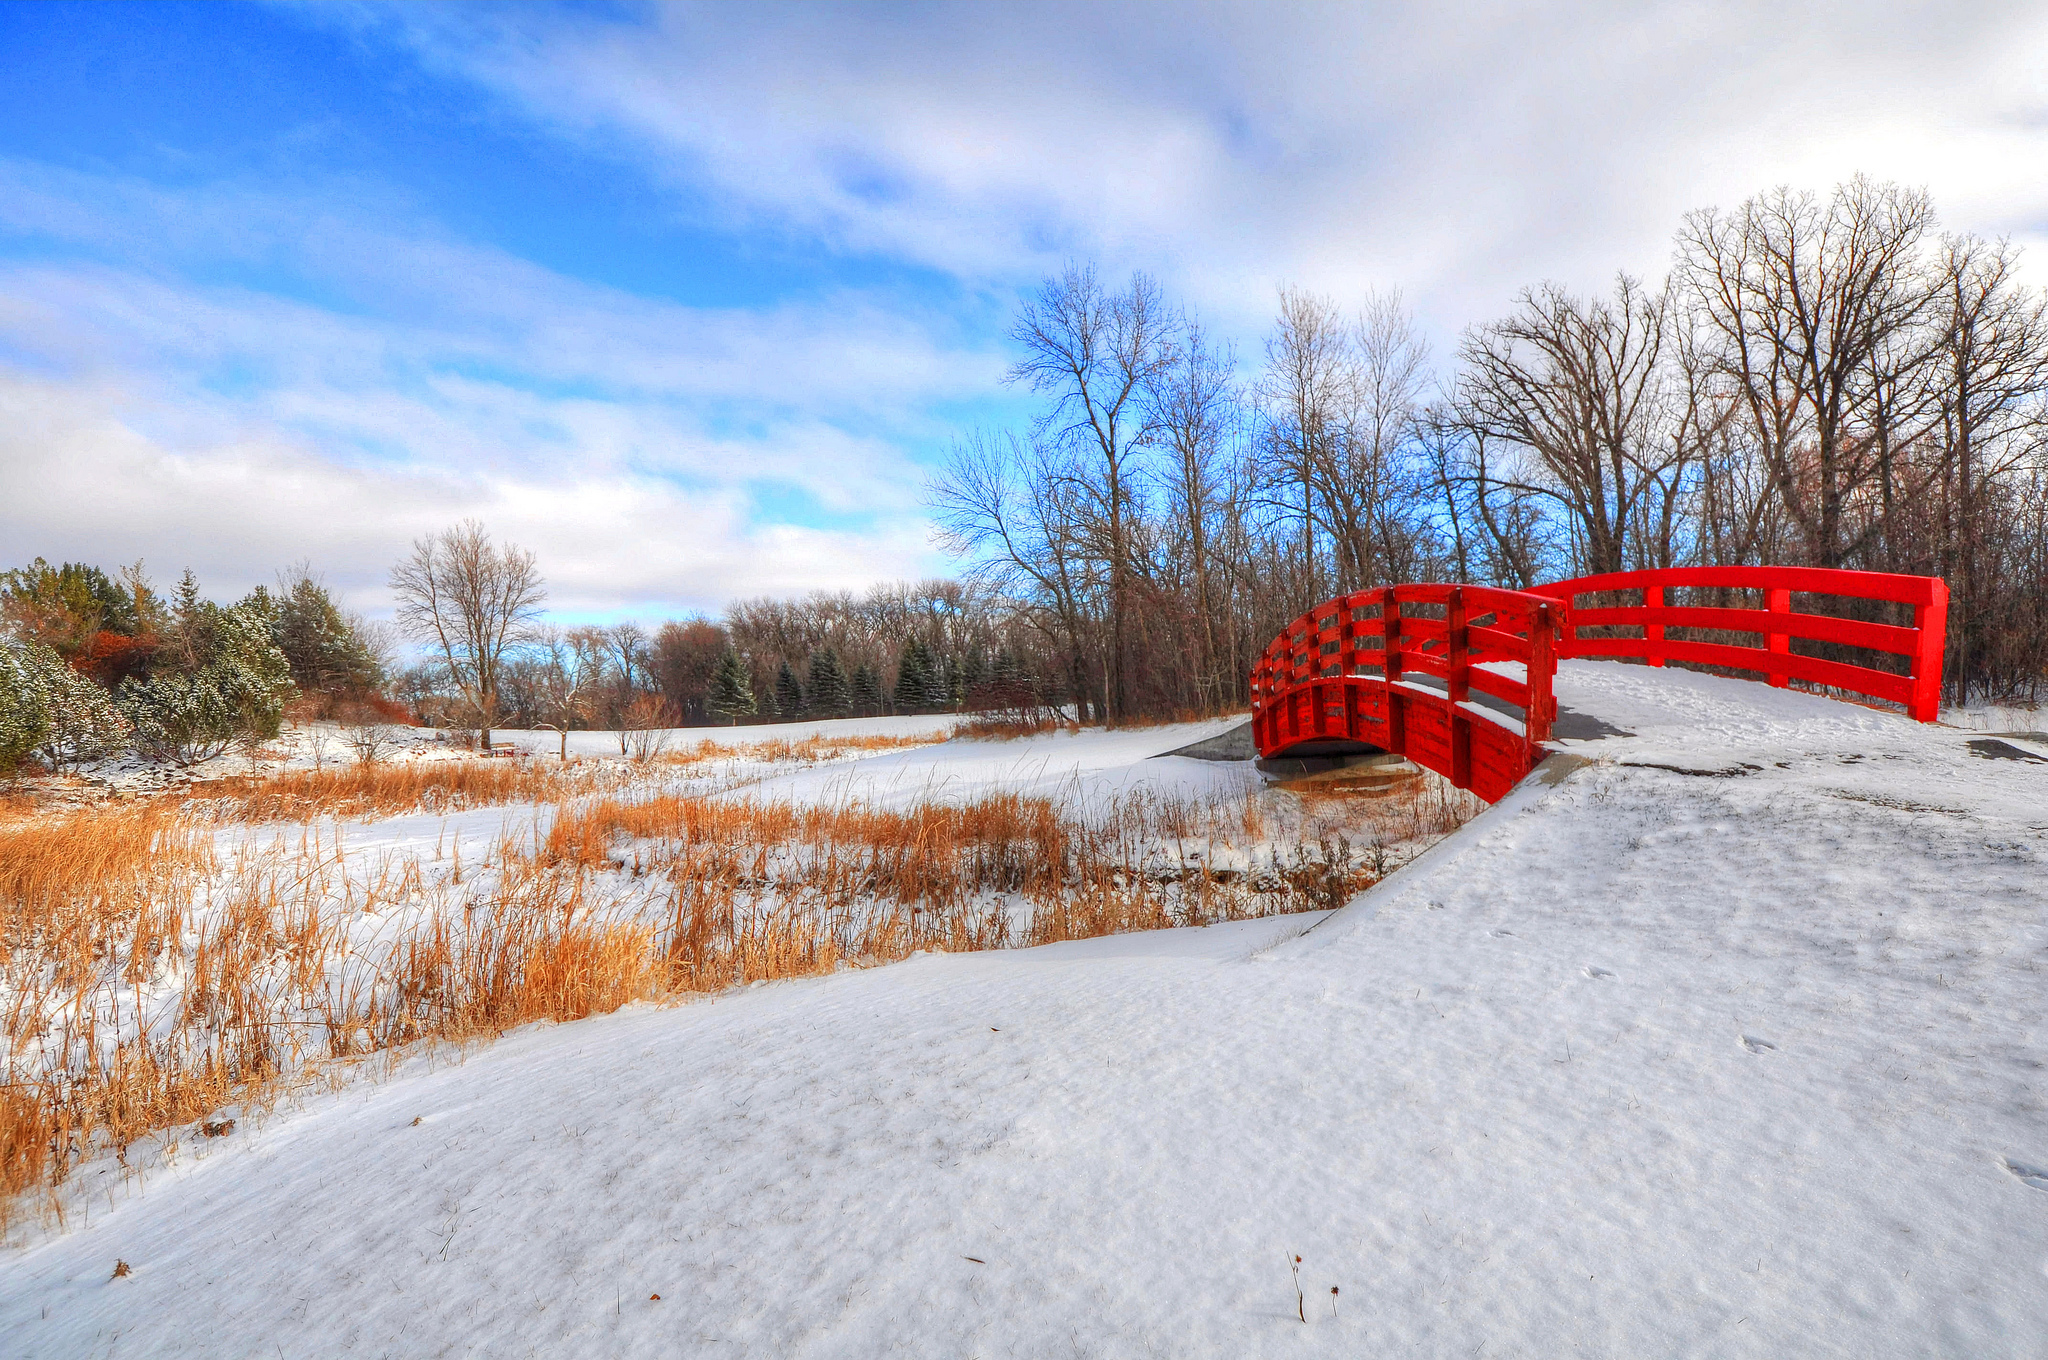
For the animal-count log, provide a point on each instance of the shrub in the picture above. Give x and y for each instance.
(233, 694)
(49, 709)
(24, 707)
(84, 724)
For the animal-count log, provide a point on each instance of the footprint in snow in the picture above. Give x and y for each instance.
(1756, 1045)
(2032, 1176)
(1593, 972)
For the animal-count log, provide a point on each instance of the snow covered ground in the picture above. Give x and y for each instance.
(1081, 770)
(1720, 1038)
(326, 744)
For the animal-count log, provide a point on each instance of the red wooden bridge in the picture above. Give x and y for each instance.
(1459, 678)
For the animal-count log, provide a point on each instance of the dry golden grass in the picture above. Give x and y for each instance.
(804, 749)
(390, 788)
(150, 980)
(386, 788)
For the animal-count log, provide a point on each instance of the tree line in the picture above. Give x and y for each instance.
(94, 665)
(1823, 380)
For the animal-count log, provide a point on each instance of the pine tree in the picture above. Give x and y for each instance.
(84, 724)
(913, 677)
(24, 704)
(828, 692)
(325, 647)
(789, 694)
(732, 690)
(942, 684)
(225, 684)
(866, 691)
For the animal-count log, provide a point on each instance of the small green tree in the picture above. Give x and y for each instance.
(24, 706)
(732, 689)
(829, 695)
(866, 690)
(914, 678)
(789, 693)
(327, 650)
(84, 723)
(221, 681)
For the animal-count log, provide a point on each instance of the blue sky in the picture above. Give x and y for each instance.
(690, 298)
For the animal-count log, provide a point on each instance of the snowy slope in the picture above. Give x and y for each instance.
(1744, 1060)
(937, 726)
(1078, 770)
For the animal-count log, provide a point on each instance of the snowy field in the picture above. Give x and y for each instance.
(1722, 1036)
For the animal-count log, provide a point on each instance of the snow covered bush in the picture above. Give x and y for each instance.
(24, 707)
(49, 709)
(84, 724)
(231, 692)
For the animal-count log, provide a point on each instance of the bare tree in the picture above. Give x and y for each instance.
(572, 667)
(1991, 374)
(1094, 353)
(1015, 510)
(473, 602)
(1811, 302)
(1194, 405)
(1589, 389)
(1375, 479)
(1307, 390)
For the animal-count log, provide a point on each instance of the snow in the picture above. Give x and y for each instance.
(324, 744)
(1723, 1038)
(937, 726)
(1081, 770)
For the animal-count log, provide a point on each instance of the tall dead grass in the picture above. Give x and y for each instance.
(151, 980)
(387, 788)
(390, 788)
(820, 746)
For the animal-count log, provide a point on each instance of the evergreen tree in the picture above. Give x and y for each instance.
(1004, 671)
(942, 684)
(913, 677)
(789, 694)
(84, 724)
(866, 691)
(219, 680)
(24, 704)
(65, 608)
(325, 648)
(732, 689)
(828, 692)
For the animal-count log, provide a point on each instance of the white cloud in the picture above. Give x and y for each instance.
(1460, 151)
(650, 452)
(79, 482)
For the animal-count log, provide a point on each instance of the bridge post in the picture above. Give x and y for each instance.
(1541, 707)
(1457, 664)
(1778, 601)
(1930, 621)
(1390, 662)
(1653, 633)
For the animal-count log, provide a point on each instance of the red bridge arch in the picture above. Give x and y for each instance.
(1361, 670)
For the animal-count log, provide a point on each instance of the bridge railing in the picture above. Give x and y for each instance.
(1350, 669)
(1412, 668)
(1919, 689)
